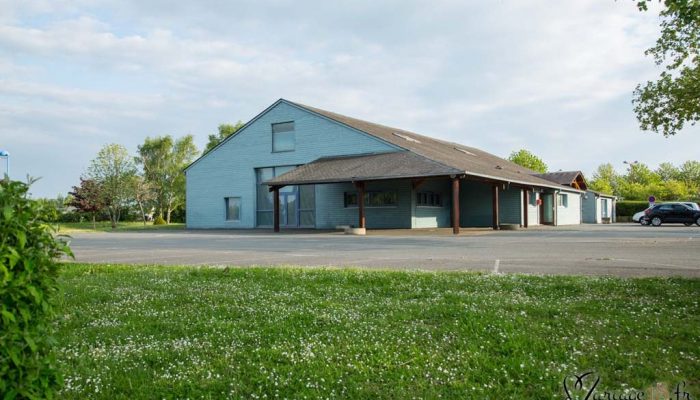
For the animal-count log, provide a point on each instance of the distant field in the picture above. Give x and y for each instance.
(130, 332)
(105, 226)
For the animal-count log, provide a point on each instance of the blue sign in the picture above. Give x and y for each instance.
(652, 199)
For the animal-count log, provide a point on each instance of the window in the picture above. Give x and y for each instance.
(297, 203)
(428, 199)
(372, 199)
(351, 199)
(233, 208)
(533, 199)
(380, 199)
(563, 200)
(604, 208)
(283, 136)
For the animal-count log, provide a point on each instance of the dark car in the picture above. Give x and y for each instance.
(672, 213)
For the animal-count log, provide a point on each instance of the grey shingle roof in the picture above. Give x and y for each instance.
(561, 177)
(467, 160)
(401, 164)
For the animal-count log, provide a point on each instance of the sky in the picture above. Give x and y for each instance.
(553, 77)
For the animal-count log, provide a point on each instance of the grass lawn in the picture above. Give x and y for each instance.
(105, 226)
(183, 332)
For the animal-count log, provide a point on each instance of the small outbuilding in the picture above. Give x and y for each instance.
(598, 208)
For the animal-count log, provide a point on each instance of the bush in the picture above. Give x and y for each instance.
(629, 208)
(72, 216)
(159, 221)
(28, 269)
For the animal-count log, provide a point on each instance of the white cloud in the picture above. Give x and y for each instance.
(553, 77)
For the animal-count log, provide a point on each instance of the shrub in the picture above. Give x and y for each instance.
(28, 269)
(159, 221)
(629, 208)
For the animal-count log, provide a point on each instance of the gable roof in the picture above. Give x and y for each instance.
(467, 160)
(566, 178)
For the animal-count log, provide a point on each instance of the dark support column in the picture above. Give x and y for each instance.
(496, 217)
(526, 202)
(455, 205)
(361, 203)
(276, 212)
(555, 205)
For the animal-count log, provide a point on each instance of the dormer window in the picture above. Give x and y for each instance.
(283, 138)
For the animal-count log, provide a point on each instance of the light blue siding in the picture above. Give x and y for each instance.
(229, 170)
(331, 210)
(475, 204)
(510, 206)
(433, 217)
(590, 208)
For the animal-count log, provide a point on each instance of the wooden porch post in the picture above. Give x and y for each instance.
(455, 205)
(526, 202)
(276, 212)
(361, 203)
(496, 217)
(555, 211)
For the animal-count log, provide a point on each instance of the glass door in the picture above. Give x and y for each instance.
(289, 209)
(547, 208)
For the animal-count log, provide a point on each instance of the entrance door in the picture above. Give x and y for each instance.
(547, 208)
(289, 209)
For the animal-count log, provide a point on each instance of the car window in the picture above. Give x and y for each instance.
(666, 207)
(681, 207)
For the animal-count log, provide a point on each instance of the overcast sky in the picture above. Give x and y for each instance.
(554, 77)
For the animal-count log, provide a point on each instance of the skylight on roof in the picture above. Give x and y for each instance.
(405, 137)
(465, 151)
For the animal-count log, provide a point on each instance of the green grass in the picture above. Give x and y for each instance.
(183, 332)
(105, 226)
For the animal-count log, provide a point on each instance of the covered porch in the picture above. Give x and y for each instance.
(405, 190)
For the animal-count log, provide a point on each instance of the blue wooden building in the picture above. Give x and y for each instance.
(295, 166)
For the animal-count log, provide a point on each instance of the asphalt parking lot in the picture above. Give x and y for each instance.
(620, 249)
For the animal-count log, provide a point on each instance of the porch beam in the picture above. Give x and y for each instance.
(276, 212)
(496, 216)
(555, 205)
(360, 203)
(526, 202)
(455, 205)
(417, 182)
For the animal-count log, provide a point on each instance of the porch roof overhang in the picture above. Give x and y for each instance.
(393, 165)
(364, 167)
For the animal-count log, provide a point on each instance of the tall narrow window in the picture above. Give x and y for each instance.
(283, 136)
(233, 209)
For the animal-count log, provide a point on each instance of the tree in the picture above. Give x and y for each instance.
(88, 198)
(666, 105)
(528, 160)
(605, 180)
(667, 171)
(142, 193)
(163, 162)
(225, 130)
(113, 169)
(640, 173)
(689, 173)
